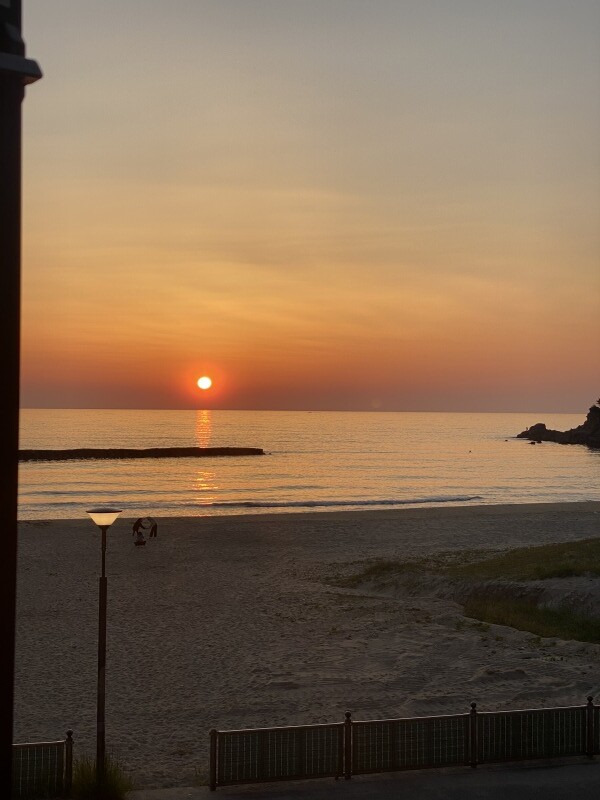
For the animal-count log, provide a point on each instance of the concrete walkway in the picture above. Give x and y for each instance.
(580, 781)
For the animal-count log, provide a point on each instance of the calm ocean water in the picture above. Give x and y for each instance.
(316, 460)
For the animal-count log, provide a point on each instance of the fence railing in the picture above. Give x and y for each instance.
(43, 769)
(527, 735)
(417, 743)
(271, 754)
(254, 755)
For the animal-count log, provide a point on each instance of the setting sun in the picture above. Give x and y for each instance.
(204, 382)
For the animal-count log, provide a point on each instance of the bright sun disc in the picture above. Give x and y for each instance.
(204, 382)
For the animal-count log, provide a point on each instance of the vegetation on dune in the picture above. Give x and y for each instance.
(523, 564)
(524, 615)
(563, 560)
(86, 786)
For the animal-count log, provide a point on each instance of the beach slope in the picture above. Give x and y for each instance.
(240, 621)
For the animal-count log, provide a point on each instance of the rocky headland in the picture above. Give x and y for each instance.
(588, 433)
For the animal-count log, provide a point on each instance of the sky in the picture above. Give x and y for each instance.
(320, 204)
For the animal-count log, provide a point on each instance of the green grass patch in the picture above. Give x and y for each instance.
(526, 616)
(86, 786)
(563, 560)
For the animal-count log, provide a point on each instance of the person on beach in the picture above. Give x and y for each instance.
(138, 527)
(139, 539)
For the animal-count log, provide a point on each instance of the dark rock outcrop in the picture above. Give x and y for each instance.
(588, 433)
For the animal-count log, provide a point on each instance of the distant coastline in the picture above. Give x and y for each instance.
(87, 453)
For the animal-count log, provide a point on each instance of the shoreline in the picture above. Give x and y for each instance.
(417, 511)
(237, 621)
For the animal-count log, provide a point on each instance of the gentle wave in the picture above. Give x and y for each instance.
(341, 503)
(112, 492)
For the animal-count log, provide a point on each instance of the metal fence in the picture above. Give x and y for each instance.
(360, 747)
(418, 743)
(43, 769)
(271, 754)
(527, 735)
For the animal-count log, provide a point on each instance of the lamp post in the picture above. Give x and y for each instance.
(104, 518)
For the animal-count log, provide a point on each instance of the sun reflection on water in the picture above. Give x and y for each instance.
(204, 484)
(203, 430)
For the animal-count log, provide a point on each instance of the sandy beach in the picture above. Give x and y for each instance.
(235, 622)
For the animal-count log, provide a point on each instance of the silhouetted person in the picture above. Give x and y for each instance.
(138, 527)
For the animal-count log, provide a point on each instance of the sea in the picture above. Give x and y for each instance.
(314, 461)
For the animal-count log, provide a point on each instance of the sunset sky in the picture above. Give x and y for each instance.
(320, 204)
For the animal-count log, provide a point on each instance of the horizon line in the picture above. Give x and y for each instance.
(294, 410)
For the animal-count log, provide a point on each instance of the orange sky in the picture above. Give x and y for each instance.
(392, 207)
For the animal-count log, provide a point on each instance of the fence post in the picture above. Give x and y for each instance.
(300, 752)
(348, 746)
(213, 760)
(589, 727)
(473, 736)
(68, 763)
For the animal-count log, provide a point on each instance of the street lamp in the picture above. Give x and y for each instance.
(104, 518)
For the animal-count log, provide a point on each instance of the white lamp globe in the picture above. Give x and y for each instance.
(104, 517)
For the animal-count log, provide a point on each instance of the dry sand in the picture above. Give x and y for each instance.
(230, 622)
